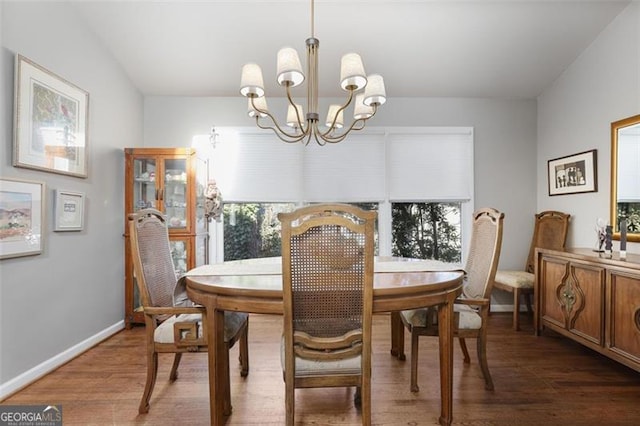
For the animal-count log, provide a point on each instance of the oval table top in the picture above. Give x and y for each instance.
(399, 283)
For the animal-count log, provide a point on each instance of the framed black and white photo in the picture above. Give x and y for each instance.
(51, 121)
(573, 174)
(21, 218)
(69, 211)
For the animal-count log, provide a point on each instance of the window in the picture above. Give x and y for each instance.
(374, 207)
(408, 175)
(427, 231)
(252, 230)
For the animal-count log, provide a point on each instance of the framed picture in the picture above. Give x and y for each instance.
(573, 174)
(21, 218)
(51, 121)
(68, 210)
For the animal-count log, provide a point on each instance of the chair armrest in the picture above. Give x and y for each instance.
(180, 297)
(473, 302)
(173, 310)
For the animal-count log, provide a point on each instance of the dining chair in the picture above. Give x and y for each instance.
(549, 232)
(327, 271)
(471, 309)
(173, 327)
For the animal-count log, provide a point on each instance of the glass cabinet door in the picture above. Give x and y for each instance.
(144, 185)
(175, 193)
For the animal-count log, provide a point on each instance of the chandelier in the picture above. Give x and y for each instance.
(366, 92)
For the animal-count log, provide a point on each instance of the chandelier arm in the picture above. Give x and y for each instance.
(317, 136)
(341, 137)
(335, 118)
(285, 137)
(294, 137)
(292, 103)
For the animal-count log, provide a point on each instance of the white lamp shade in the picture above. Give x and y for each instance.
(292, 118)
(352, 75)
(360, 110)
(260, 103)
(374, 93)
(289, 70)
(333, 110)
(252, 84)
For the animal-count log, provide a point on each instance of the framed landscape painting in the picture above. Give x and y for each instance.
(21, 218)
(51, 121)
(573, 174)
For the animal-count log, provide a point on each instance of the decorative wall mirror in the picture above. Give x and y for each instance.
(625, 176)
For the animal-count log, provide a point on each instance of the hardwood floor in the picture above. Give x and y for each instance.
(547, 380)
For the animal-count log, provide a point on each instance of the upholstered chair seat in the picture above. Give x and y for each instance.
(466, 318)
(519, 279)
(310, 368)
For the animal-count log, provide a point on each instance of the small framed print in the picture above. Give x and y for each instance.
(573, 174)
(21, 218)
(69, 211)
(51, 121)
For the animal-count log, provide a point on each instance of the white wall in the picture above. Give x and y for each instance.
(62, 300)
(575, 115)
(505, 138)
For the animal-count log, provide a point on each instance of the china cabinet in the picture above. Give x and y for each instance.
(592, 298)
(171, 180)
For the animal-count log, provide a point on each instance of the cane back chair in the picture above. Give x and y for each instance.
(549, 232)
(472, 307)
(173, 327)
(327, 268)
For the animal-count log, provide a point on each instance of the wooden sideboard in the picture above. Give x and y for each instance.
(591, 298)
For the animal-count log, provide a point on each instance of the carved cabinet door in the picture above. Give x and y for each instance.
(582, 296)
(624, 318)
(572, 298)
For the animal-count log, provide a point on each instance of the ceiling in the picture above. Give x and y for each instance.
(480, 48)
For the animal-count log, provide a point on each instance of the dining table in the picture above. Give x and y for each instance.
(255, 286)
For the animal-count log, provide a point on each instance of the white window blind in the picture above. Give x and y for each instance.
(431, 164)
(350, 171)
(434, 163)
(257, 167)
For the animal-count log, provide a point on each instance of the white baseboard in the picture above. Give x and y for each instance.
(505, 308)
(51, 364)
